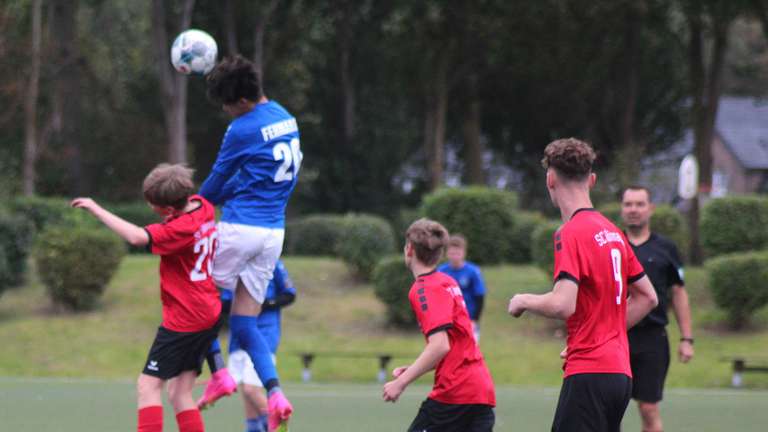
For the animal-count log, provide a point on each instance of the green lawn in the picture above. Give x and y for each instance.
(40, 404)
(333, 313)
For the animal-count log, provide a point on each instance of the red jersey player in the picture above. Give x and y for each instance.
(595, 270)
(185, 242)
(463, 397)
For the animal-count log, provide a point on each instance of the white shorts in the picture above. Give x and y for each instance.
(248, 253)
(241, 368)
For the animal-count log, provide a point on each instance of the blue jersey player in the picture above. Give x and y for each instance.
(252, 179)
(468, 276)
(280, 293)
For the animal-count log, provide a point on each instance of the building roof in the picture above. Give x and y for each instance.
(742, 123)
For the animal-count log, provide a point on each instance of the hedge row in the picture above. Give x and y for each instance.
(734, 224)
(737, 282)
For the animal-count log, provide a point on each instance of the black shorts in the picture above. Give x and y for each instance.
(649, 356)
(436, 416)
(175, 352)
(592, 403)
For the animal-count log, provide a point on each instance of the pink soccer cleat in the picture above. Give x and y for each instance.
(221, 384)
(280, 410)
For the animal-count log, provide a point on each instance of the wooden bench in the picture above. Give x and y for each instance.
(742, 365)
(383, 359)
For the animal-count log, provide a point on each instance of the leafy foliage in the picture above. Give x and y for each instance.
(76, 263)
(391, 281)
(543, 246)
(483, 215)
(520, 248)
(15, 242)
(365, 240)
(737, 282)
(315, 235)
(734, 224)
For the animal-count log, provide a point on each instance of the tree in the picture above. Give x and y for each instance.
(30, 103)
(706, 84)
(173, 85)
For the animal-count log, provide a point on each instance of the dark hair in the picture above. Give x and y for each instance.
(169, 185)
(637, 187)
(428, 239)
(234, 78)
(570, 157)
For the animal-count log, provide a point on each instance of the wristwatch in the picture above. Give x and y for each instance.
(685, 339)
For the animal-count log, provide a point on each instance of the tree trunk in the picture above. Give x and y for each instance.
(471, 129)
(66, 91)
(437, 106)
(259, 27)
(30, 104)
(706, 90)
(346, 81)
(173, 85)
(230, 27)
(630, 152)
(760, 7)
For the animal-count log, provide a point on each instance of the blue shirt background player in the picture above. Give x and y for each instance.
(468, 276)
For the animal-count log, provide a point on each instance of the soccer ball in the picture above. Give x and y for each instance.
(194, 52)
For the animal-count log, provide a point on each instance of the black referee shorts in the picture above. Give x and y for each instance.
(436, 416)
(649, 356)
(175, 352)
(592, 403)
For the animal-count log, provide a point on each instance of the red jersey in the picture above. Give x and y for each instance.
(592, 252)
(461, 377)
(186, 244)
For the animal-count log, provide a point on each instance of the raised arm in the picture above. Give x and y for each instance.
(641, 300)
(129, 232)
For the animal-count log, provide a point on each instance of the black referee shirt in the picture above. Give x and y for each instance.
(659, 257)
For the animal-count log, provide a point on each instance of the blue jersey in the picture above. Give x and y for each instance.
(470, 281)
(256, 168)
(269, 319)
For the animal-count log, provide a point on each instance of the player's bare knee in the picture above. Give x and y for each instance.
(148, 387)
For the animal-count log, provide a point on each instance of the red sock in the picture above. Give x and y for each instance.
(151, 419)
(190, 421)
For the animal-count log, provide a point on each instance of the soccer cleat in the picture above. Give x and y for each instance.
(279, 410)
(221, 384)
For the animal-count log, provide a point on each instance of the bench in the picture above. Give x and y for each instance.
(383, 361)
(743, 365)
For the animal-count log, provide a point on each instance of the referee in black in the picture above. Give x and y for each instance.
(648, 344)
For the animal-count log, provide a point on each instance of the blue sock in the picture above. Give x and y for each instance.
(255, 425)
(244, 328)
(264, 422)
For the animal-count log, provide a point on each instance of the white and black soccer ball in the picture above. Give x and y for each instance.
(194, 52)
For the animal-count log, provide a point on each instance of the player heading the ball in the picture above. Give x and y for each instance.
(255, 172)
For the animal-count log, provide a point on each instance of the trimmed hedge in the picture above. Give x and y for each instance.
(402, 220)
(365, 240)
(391, 282)
(15, 241)
(316, 235)
(543, 246)
(734, 224)
(737, 282)
(520, 247)
(43, 212)
(76, 264)
(484, 216)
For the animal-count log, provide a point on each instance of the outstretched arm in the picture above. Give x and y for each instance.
(559, 303)
(437, 347)
(641, 300)
(128, 231)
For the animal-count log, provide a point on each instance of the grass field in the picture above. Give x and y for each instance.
(333, 313)
(38, 404)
